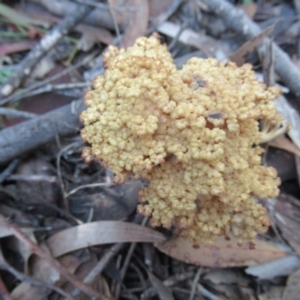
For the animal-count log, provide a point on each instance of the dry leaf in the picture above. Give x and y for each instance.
(240, 56)
(279, 267)
(99, 283)
(292, 290)
(157, 7)
(108, 204)
(8, 48)
(17, 246)
(136, 18)
(92, 35)
(99, 233)
(42, 271)
(284, 143)
(222, 254)
(13, 214)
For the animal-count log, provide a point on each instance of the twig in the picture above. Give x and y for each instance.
(45, 255)
(51, 38)
(9, 169)
(100, 265)
(206, 293)
(117, 29)
(176, 38)
(32, 178)
(10, 112)
(53, 87)
(21, 138)
(91, 185)
(195, 282)
(127, 261)
(238, 21)
(173, 280)
(59, 175)
(4, 292)
(164, 16)
(18, 95)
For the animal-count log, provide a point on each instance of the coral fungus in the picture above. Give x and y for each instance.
(193, 133)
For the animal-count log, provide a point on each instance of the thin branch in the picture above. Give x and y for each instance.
(127, 261)
(54, 87)
(24, 278)
(19, 94)
(59, 175)
(21, 138)
(172, 281)
(195, 282)
(14, 113)
(164, 16)
(90, 185)
(117, 29)
(101, 265)
(9, 169)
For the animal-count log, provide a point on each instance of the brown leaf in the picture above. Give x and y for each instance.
(137, 15)
(284, 143)
(99, 233)
(92, 35)
(222, 254)
(157, 7)
(240, 56)
(292, 290)
(9, 48)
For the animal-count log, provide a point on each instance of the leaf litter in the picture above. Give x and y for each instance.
(96, 222)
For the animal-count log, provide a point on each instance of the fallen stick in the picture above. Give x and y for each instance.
(29, 135)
